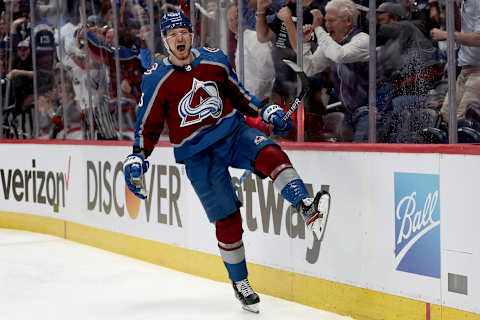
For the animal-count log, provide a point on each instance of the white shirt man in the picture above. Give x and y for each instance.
(468, 82)
(345, 50)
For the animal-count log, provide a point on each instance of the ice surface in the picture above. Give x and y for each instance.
(45, 277)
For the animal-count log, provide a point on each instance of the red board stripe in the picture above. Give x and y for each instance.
(471, 149)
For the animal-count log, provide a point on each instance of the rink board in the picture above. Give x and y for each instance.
(389, 211)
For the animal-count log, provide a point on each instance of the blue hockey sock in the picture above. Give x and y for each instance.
(229, 235)
(237, 271)
(295, 191)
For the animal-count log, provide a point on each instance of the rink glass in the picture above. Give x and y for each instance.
(80, 94)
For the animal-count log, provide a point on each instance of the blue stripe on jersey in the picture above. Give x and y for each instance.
(146, 58)
(150, 87)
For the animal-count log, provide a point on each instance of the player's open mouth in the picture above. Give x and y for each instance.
(181, 47)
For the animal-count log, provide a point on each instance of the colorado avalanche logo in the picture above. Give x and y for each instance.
(201, 101)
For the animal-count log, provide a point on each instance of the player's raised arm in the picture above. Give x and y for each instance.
(240, 97)
(252, 106)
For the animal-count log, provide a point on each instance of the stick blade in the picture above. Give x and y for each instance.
(301, 75)
(292, 65)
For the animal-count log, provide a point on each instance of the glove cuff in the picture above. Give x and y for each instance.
(138, 159)
(268, 111)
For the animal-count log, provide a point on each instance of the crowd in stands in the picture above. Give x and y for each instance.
(62, 76)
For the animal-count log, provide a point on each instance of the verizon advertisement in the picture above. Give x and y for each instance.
(32, 182)
(403, 224)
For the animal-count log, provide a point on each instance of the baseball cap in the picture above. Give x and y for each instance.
(93, 19)
(44, 40)
(391, 8)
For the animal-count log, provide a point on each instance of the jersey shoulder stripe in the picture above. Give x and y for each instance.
(157, 71)
(214, 55)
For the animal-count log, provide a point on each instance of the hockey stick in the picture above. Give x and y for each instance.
(303, 92)
(293, 107)
(140, 183)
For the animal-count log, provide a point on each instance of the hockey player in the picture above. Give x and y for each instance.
(198, 94)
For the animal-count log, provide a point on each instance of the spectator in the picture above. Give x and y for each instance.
(419, 12)
(131, 74)
(282, 32)
(435, 15)
(45, 57)
(96, 25)
(409, 66)
(46, 111)
(259, 69)
(4, 57)
(108, 17)
(438, 14)
(209, 34)
(20, 28)
(23, 59)
(232, 21)
(130, 67)
(4, 34)
(438, 10)
(70, 127)
(44, 12)
(468, 81)
(18, 118)
(75, 65)
(389, 12)
(250, 8)
(407, 58)
(345, 50)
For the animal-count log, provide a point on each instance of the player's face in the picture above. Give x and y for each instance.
(179, 41)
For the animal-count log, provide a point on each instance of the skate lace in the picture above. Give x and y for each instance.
(244, 287)
(308, 208)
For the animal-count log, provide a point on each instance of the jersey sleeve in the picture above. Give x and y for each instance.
(150, 114)
(240, 98)
(97, 47)
(146, 58)
(100, 48)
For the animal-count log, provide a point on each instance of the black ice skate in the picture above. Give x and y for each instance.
(249, 299)
(315, 212)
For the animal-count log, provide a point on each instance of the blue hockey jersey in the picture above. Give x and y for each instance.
(201, 103)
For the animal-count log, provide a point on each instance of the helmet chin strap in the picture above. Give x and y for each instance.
(168, 48)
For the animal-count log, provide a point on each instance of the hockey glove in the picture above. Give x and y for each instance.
(273, 114)
(134, 168)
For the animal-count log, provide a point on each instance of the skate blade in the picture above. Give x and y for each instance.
(252, 308)
(317, 230)
(318, 226)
